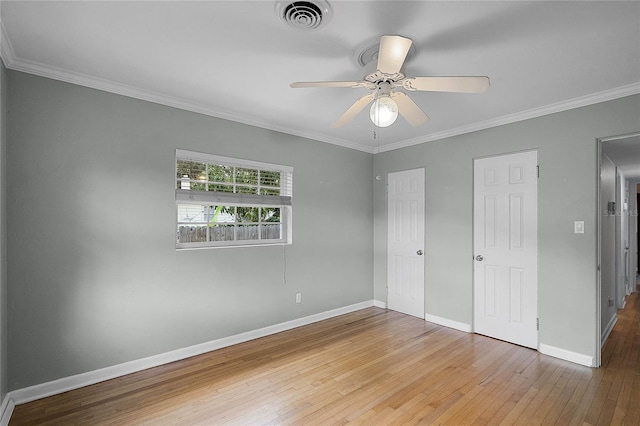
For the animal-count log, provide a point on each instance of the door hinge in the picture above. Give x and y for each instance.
(538, 171)
(538, 324)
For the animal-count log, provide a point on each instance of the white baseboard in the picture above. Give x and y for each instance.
(607, 331)
(567, 355)
(448, 323)
(543, 349)
(6, 410)
(380, 304)
(32, 393)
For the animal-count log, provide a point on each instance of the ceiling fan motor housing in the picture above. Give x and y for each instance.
(373, 75)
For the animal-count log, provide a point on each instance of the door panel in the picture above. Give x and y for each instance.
(505, 247)
(405, 264)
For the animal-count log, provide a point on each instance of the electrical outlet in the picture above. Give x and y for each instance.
(298, 297)
(611, 301)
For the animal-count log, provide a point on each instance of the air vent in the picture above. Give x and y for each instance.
(304, 15)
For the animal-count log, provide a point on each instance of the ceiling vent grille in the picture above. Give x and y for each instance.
(304, 15)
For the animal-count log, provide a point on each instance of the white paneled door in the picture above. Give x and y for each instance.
(405, 258)
(505, 235)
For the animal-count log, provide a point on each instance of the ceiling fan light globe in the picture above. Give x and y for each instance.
(383, 112)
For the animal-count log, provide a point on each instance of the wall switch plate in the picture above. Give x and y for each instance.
(298, 297)
(578, 227)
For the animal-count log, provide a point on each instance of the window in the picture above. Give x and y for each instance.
(223, 201)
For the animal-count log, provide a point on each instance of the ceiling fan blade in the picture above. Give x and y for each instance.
(447, 84)
(409, 110)
(348, 84)
(353, 110)
(392, 53)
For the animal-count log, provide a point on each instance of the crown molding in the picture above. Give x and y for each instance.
(12, 62)
(17, 64)
(162, 99)
(594, 98)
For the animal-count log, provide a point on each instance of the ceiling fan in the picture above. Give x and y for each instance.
(386, 75)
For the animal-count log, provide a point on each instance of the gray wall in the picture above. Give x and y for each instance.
(3, 233)
(567, 191)
(607, 244)
(94, 279)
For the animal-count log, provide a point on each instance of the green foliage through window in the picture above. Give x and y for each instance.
(244, 220)
(198, 176)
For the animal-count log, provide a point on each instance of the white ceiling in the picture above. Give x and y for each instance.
(235, 59)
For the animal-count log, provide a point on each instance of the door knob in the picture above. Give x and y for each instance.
(419, 252)
(479, 258)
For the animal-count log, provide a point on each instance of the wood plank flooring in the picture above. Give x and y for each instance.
(371, 367)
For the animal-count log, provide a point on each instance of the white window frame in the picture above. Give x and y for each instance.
(210, 198)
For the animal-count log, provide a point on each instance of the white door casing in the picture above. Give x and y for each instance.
(405, 247)
(505, 235)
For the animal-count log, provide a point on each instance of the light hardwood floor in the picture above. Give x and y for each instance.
(372, 367)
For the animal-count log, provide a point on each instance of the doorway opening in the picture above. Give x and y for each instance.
(618, 240)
